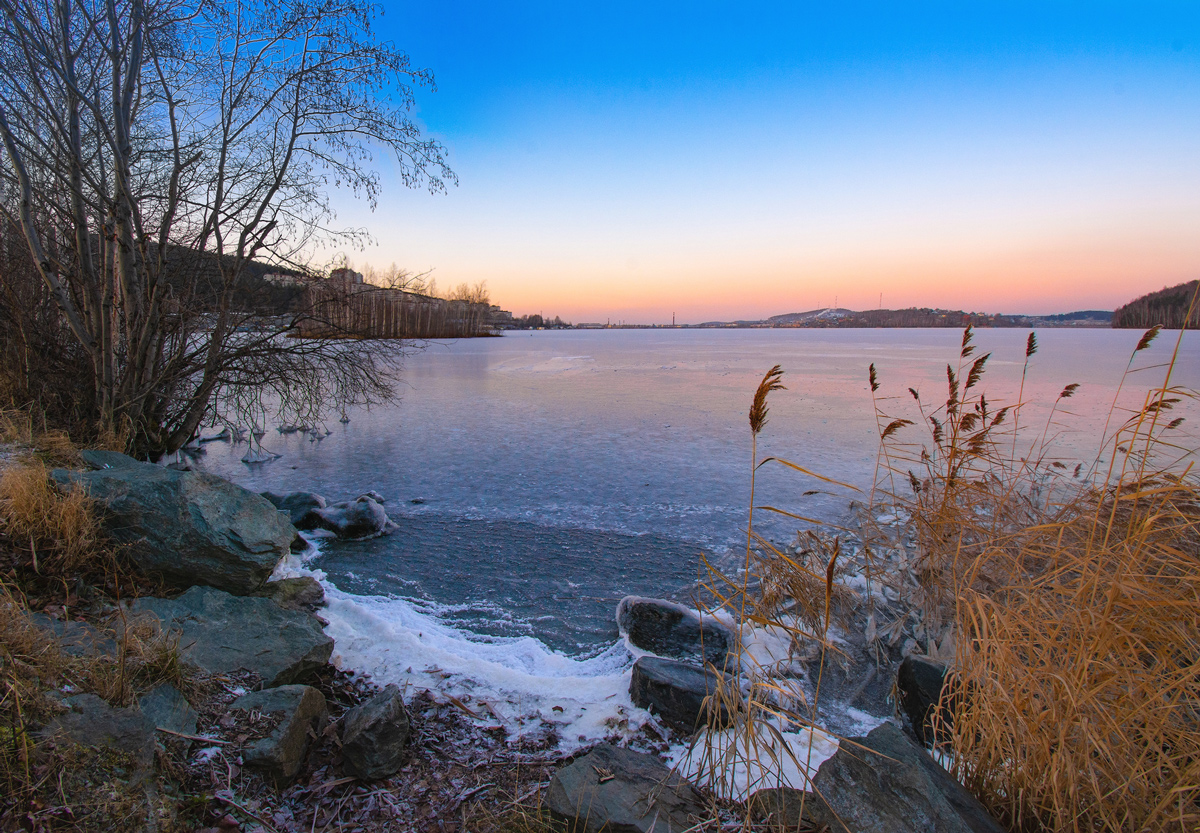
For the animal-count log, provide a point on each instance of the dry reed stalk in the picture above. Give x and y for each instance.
(752, 709)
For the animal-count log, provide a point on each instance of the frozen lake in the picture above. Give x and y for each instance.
(539, 477)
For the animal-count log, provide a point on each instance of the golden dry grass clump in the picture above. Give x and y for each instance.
(61, 531)
(33, 666)
(1083, 675)
(1074, 594)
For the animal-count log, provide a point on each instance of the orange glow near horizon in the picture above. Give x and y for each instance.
(1041, 278)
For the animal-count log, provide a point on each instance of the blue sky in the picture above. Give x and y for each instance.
(627, 162)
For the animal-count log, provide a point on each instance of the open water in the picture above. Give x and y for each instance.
(539, 477)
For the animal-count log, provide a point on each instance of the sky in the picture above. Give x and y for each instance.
(716, 161)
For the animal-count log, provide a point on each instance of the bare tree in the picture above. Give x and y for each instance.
(158, 151)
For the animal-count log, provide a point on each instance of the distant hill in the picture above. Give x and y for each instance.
(1094, 316)
(919, 317)
(1166, 307)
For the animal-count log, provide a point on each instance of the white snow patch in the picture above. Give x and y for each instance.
(793, 763)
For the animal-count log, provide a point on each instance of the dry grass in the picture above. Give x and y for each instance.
(1065, 595)
(23, 429)
(61, 531)
(1075, 596)
(60, 786)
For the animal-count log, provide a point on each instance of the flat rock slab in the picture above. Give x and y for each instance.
(94, 723)
(374, 735)
(221, 633)
(76, 639)
(168, 709)
(885, 783)
(281, 754)
(619, 791)
(184, 527)
(675, 691)
(672, 630)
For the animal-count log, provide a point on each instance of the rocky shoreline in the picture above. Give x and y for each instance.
(281, 740)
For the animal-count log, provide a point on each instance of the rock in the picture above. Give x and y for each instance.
(671, 630)
(220, 633)
(281, 753)
(99, 458)
(673, 690)
(642, 795)
(363, 517)
(300, 506)
(168, 709)
(919, 685)
(885, 783)
(298, 593)
(76, 639)
(784, 808)
(187, 527)
(374, 735)
(93, 722)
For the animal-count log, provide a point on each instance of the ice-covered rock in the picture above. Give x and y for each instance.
(671, 630)
(363, 517)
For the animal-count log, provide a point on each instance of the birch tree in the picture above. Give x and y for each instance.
(155, 150)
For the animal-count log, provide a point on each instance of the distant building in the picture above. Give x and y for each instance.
(346, 275)
(284, 279)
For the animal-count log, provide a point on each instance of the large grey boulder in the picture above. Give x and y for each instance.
(186, 527)
(620, 791)
(374, 734)
(221, 633)
(92, 722)
(280, 755)
(885, 783)
(678, 692)
(671, 630)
